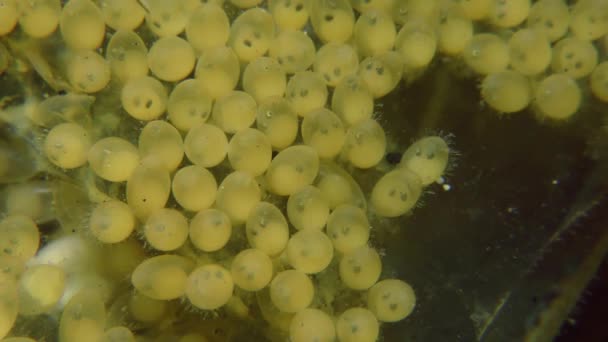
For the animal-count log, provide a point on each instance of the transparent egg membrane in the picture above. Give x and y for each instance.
(494, 222)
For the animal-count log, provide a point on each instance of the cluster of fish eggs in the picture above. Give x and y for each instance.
(250, 124)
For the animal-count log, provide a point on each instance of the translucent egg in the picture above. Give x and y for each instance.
(381, 73)
(83, 318)
(599, 81)
(574, 57)
(168, 18)
(112, 221)
(332, 20)
(365, 144)
(127, 55)
(455, 31)
(208, 27)
(171, 59)
(360, 268)
(234, 112)
(82, 25)
(267, 229)
(589, 19)
(486, 53)
(218, 71)
(206, 145)
(308, 209)
(293, 50)
(476, 9)
(162, 277)
(552, 17)
(357, 325)
(144, 98)
(118, 334)
(363, 6)
(159, 139)
(338, 187)
(251, 269)
(530, 51)
(194, 188)
(506, 91)
(310, 251)
(348, 228)
(508, 13)
(145, 309)
(209, 287)
(291, 291)
(237, 195)
(39, 18)
(88, 71)
(277, 119)
(292, 169)
(148, 189)
(306, 91)
(210, 230)
(404, 11)
(122, 14)
(396, 193)
(264, 77)
(8, 306)
(113, 159)
(391, 300)
(9, 15)
(374, 33)
(417, 44)
(334, 61)
(166, 229)
(288, 14)
(250, 151)
(352, 100)
(427, 157)
(323, 130)
(67, 145)
(312, 325)
(189, 105)
(34, 199)
(40, 289)
(558, 97)
(251, 34)
(19, 237)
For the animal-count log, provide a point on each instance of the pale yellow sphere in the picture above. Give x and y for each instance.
(530, 51)
(552, 17)
(144, 98)
(162, 277)
(334, 61)
(122, 14)
(428, 157)
(306, 91)
(396, 193)
(352, 100)
(166, 229)
(88, 71)
(365, 144)
(194, 188)
(381, 73)
(357, 325)
(391, 300)
(506, 91)
(360, 268)
(417, 44)
(113, 159)
(455, 31)
(189, 105)
(252, 269)
(67, 145)
(171, 59)
(348, 228)
(161, 140)
(291, 291)
(277, 119)
(558, 97)
(293, 50)
(289, 15)
(292, 169)
(234, 112)
(82, 25)
(210, 230)
(312, 325)
(40, 289)
(374, 33)
(310, 251)
(267, 229)
(112, 221)
(39, 18)
(148, 189)
(208, 27)
(237, 195)
(264, 77)
(206, 145)
(218, 71)
(118, 334)
(323, 130)
(599, 81)
(575, 57)
(250, 151)
(9, 15)
(83, 317)
(508, 13)
(332, 21)
(127, 54)
(308, 209)
(209, 287)
(251, 34)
